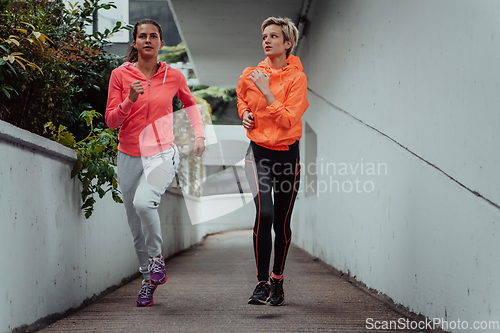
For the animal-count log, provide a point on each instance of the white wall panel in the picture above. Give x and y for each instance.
(414, 85)
(425, 73)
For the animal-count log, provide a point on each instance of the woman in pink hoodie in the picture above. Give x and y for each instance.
(140, 100)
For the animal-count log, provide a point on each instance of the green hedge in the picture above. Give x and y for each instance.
(51, 70)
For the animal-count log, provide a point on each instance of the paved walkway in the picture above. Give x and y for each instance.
(207, 291)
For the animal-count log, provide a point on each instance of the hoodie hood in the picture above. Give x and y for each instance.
(162, 70)
(293, 64)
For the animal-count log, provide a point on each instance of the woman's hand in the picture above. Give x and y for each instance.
(248, 121)
(261, 81)
(136, 89)
(199, 146)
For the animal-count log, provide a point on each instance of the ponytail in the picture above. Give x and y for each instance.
(132, 54)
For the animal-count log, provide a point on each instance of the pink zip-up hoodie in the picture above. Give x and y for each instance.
(152, 110)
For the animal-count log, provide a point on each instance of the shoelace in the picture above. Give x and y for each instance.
(261, 288)
(155, 266)
(146, 290)
(277, 288)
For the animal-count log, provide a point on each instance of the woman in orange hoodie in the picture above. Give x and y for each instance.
(140, 100)
(272, 98)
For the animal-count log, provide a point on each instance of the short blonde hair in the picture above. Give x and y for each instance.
(288, 28)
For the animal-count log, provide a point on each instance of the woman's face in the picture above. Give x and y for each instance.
(273, 42)
(147, 41)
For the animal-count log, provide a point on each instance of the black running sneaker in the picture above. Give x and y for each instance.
(277, 293)
(260, 294)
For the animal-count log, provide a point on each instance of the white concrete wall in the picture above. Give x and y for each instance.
(52, 257)
(413, 85)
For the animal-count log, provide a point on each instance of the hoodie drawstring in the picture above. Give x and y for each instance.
(165, 75)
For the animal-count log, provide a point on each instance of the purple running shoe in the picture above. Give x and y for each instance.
(157, 271)
(145, 297)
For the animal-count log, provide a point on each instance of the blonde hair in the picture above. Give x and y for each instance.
(288, 28)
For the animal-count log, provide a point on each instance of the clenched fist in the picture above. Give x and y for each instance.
(136, 89)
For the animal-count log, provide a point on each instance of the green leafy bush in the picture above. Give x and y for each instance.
(173, 54)
(50, 68)
(54, 74)
(96, 159)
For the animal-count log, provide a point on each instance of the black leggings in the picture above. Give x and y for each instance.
(268, 169)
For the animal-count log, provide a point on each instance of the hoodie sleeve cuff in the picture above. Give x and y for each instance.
(198, 131)
(274, 107)
(125, 107)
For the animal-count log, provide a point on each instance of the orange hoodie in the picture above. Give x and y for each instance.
(152, 110)
(277, 125)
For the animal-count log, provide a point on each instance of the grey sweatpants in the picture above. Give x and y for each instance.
(141, 200)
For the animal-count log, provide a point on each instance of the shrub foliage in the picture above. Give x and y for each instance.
(51, 69)
(53, 82)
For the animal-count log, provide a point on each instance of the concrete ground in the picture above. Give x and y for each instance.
(207, 291)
